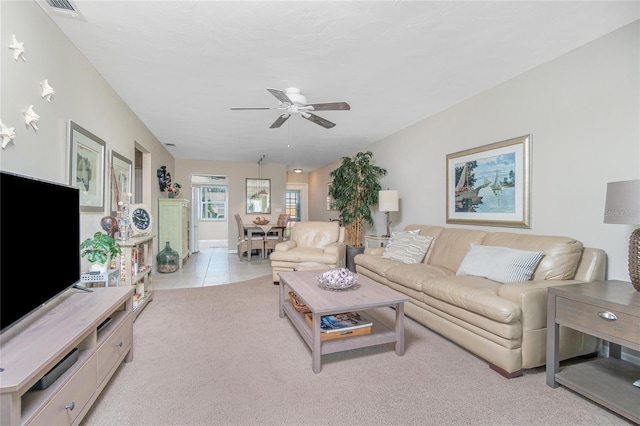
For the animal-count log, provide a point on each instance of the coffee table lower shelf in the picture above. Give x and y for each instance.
(380, 333)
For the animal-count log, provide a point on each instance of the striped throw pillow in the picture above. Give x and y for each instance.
(501, 264)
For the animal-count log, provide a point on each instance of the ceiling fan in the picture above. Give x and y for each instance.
(293, 102)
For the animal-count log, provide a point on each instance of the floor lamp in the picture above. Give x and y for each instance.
(388, 202)
(623, 207)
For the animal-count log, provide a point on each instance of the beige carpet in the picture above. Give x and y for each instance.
(221, 356)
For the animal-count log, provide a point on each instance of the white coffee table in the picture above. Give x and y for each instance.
(369, 295)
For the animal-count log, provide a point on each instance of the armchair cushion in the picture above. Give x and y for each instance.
(313, 241)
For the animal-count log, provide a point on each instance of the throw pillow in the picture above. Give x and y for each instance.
(501, 264)
(407, 247)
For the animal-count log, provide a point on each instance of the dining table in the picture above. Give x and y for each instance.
(255, 229)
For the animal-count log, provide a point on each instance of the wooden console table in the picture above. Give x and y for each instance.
(609, 310)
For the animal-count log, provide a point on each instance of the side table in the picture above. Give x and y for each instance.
(111, 277)
(377, 240)
(609, 310)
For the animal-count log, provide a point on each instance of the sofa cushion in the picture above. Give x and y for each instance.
(414, 275)
(452, 245)
(407, 247)
(502, 264)
(375, 263)
(474, 294)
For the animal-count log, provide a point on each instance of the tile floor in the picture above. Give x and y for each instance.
(212, 265)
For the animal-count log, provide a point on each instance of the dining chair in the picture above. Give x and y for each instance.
(275, 236)
(257, 241)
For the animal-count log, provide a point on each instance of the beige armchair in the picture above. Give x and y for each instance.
(313, 241)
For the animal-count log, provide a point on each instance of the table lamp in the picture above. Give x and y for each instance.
(388, 202)
(622, 206)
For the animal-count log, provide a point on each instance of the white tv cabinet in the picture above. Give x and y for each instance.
(33, 347)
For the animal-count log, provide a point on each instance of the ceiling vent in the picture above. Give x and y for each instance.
(61, 8)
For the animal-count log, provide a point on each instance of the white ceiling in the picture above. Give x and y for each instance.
(181, 65)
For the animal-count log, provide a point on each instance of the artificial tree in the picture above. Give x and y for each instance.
(354, 189)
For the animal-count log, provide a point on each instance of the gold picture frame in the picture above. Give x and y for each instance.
(490, 185)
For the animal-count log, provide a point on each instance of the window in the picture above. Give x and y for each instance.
(213, 202)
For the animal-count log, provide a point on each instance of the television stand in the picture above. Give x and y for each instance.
(73, 320)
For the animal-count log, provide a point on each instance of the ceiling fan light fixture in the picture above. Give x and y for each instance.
(296, 97)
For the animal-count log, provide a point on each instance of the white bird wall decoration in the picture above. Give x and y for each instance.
(47, 91)
(31, 118)
(7, 134)
(18, 48)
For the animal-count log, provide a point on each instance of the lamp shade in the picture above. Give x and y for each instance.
(388, 200)
(623, 202)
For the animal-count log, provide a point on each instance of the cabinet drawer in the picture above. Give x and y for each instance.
(77, 391)
(623, 327)
(115, 347)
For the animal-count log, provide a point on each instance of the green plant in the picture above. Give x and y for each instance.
(100, 248)
(354, 189)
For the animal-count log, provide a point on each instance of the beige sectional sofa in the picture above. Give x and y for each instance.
(504, 324)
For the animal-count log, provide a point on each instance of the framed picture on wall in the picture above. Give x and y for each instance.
(258, 196)
(120, 182)
(86, 167)
(490, 184)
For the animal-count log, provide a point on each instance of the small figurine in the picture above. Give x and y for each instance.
(18, 49)
(7, 134)
(164, 178)
(47, 91)
(31, 118)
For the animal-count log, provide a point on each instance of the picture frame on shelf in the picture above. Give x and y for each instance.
(86, 167)
(491, 184)
(120, 182)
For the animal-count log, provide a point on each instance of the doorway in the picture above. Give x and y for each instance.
(296, 205)
(210, 211)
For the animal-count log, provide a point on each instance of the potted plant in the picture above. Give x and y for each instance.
(354, 189)
(99, 250)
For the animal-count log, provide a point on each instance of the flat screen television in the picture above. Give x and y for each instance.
(39, 244)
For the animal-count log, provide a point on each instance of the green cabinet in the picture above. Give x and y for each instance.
(173, 226)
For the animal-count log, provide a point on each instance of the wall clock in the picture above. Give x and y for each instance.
(140, 219)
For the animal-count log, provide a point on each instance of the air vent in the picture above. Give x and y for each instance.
(61, 4)
(171, 145)
(61, 8)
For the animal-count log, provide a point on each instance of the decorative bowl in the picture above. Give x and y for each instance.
(261, 221)
(337, 279)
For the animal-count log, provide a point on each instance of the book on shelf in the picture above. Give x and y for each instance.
(342, 322)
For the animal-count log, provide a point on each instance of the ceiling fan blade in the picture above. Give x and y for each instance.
(331, 106)
(318, 120)
(281, 95)
(246, 108)
(279, 121)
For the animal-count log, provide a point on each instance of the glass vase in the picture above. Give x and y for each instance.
(167, 259)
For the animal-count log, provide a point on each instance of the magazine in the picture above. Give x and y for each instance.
(342, 322)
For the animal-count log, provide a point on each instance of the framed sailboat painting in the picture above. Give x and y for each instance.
(490, 185)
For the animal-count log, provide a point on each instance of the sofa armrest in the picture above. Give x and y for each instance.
(531, 296)
(286, 246)
(339, 250)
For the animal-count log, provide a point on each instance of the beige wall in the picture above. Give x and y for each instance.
(583, 112)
